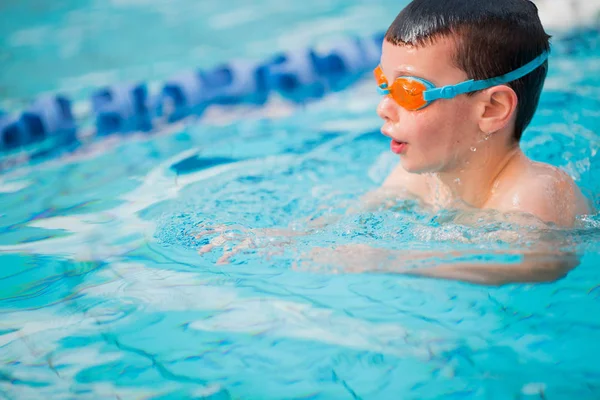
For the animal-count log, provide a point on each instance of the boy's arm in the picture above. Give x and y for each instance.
(542, 265)
(534, 267)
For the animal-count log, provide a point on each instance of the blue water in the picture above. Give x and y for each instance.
(104, 294)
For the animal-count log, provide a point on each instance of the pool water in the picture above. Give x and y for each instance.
(76, 46)
(104, 292)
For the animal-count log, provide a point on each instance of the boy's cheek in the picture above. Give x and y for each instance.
(427, 150)
(435, 143)
(436, 133)
(429, 127)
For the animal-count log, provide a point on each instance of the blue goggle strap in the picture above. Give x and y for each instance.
(383, 89)
(451, 91)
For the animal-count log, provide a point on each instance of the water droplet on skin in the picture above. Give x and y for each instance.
(458, 181)
(473, 148)
(495, 187)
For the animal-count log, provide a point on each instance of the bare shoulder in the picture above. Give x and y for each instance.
(543, 190)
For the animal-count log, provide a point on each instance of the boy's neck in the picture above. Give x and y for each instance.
(473, 182)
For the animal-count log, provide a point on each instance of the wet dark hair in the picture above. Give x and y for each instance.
(493, 37)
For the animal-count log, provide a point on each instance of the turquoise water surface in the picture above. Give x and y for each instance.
(104, 293)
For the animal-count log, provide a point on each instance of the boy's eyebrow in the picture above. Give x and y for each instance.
(404, 71)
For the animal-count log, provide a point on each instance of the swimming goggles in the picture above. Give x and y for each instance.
(414, 93)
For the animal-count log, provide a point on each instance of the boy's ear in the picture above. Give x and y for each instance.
(499, 106)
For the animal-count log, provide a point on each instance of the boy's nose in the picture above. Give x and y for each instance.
(387, 109)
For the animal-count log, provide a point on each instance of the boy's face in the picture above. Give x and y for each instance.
(439, 137)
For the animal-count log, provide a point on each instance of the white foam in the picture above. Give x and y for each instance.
(12, 187)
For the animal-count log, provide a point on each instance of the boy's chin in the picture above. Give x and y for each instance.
(418, 168)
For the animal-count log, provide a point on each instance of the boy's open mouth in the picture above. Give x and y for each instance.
(398, 147)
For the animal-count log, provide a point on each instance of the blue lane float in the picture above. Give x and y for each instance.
(345, 61)
(298, 76)
(181, 96)
(345, 57)
(294, 76)
(50, 117)
(11, 133)
(121, 109)
(238, 82)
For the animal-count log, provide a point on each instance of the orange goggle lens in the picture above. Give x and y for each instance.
(406, 92)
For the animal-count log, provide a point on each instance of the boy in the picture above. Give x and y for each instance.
(461, 81)
(459, 145)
